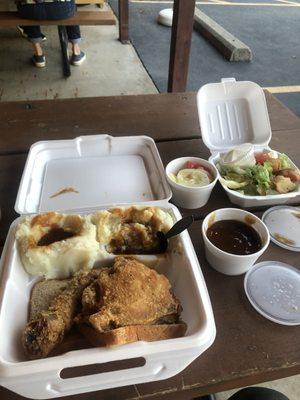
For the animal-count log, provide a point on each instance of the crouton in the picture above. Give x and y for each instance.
(283, 184)
(291, 173)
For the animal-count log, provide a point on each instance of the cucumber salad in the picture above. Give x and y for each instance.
(257, 173)
(192, 175)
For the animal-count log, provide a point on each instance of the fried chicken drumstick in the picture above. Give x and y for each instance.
(45, 332)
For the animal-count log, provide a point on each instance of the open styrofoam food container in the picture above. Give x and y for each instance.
(232, 113)
(105, 171)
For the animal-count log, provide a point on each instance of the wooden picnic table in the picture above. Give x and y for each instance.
(248, 348)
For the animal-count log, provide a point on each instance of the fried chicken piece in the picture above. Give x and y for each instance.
(41, 335)
(129, 293)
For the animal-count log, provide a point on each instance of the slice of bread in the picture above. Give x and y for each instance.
(133, 333)
(43, 293)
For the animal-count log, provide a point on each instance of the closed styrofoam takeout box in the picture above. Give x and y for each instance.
(232, 113)
(104, 171)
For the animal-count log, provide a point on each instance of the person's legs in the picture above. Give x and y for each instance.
(73, 32)
(24, 35)
(33, 33)
(64, 10)
(35, 37)
(258, 393)
(74, 37)
(54, 11)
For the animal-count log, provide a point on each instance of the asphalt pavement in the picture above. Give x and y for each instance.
(269, 27)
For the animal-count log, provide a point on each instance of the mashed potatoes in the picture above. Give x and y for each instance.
(57, 245)
(131, 230)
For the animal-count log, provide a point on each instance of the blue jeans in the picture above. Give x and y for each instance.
(49, 11)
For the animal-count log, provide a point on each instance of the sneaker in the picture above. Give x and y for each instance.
(24, 35)
(77, 59)
(39, 61)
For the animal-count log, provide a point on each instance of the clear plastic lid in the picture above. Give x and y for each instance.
(283, 223)
(232, 113)
(273, 289)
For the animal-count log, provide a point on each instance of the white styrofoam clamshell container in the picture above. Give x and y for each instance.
(41, 378)
(232, 113)
(103, 169)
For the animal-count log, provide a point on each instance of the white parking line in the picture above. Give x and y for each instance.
(283, 89)
(224, 3)
(288, 2)
(219, 1)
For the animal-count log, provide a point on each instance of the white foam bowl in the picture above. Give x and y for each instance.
(228, 263)
(190, 197)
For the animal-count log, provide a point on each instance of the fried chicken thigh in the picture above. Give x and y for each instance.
(129, 293)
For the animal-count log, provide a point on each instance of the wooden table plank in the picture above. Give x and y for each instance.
(11, 18)
(23, 123)
(172, 116)
(182, 29)
(281, 117)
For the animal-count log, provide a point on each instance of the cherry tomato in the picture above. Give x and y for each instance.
(260, 158)
(192, 165)
(195, 165)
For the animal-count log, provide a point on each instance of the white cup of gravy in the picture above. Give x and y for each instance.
(234, 239)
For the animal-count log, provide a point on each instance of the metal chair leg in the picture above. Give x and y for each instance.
(63, 38)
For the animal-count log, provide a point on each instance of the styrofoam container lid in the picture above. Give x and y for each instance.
(88, 172)
(232, 113)
(273, 289)
(283, 223)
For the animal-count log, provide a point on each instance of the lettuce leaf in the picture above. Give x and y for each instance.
(284, 161)
(255, 180)
(224, 170)
(261, 176)
(249, 190)
(233, 177)
(232, 184)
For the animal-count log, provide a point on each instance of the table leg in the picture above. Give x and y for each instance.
(62, 33)
(123, 21)
(183, 21)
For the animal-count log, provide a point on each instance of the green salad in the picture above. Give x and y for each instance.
(267, 173)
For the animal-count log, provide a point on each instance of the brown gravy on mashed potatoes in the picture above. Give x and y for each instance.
(55, 235)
